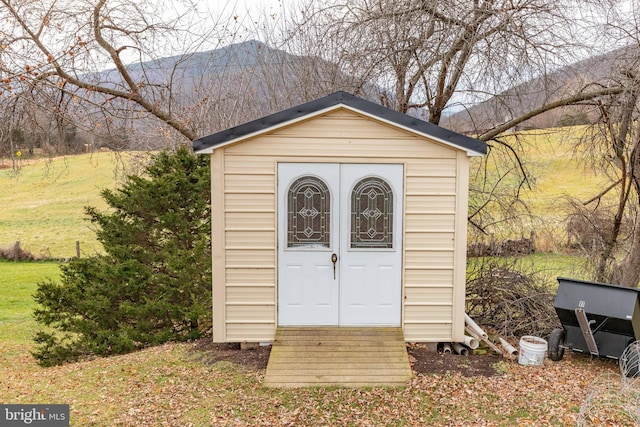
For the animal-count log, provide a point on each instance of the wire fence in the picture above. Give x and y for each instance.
(614, 400)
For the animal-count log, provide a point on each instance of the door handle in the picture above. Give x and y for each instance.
(334, 259)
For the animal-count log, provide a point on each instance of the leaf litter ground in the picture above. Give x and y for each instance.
(207, 384)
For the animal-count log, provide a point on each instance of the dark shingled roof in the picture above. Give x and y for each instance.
(341, 98)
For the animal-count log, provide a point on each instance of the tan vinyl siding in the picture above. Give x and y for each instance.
(250, 331)
(432, 167)
(428, 222)
(253, 258)
(433, 294)
(347, 149)
(431, 204)
(430, 239)
(331, 126)
(247, 203)
(250, 250)
(428, 185)
(245, 221)
(427, 332)
(237, 202)
(460, 273)
(249, 184)
(339, 135)
(428, 259)
(257, 165)
(250, 276)
(248, 313)
(250, 239)
(428, 277)
(250, 294)
(218, 243)
(429, 313)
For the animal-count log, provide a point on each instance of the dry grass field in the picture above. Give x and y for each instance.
(43, 200)
(557, 171)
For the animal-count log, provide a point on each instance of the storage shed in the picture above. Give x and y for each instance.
(339, 212)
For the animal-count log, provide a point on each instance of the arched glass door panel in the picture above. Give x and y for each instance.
(372, 214)
(308, 213)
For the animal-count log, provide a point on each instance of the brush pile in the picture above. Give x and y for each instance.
(509, 302)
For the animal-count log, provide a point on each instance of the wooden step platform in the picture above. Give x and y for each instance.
(338, 356)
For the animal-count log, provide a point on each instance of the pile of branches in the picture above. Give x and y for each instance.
(509, 247)
(16, 253)
(509, 301)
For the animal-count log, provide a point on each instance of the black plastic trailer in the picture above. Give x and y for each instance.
(597, 318)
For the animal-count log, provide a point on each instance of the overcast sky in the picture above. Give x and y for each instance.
(254, 8)
(245, 18)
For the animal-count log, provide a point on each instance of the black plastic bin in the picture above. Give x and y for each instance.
(597, 319)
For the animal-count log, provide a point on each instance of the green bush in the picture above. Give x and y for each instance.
(153, 282)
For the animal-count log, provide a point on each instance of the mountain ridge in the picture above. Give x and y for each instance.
(599, 70)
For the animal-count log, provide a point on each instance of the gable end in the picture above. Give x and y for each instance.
(207, 144)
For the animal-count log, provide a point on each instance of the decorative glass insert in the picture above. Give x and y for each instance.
(308, 213)
(372, 214)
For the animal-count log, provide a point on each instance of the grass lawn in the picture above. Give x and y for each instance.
(43, 203)
(547, 266)
(173, 385)
(557, 171)
(17, 284)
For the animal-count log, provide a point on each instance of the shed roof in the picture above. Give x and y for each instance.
(208, 144)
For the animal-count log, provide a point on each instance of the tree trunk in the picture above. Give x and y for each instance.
(631, 264)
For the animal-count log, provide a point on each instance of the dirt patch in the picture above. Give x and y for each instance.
(253, 358)
(423, 360)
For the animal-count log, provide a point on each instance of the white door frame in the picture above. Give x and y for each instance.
(364, 286)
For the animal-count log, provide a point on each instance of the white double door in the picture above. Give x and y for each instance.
(339, 244)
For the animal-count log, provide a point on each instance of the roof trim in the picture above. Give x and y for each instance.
(208, 144)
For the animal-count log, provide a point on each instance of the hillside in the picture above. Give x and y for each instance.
(558, 172)
(43, 203)
(603, 69)
(43, 206)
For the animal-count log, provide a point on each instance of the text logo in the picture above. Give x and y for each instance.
(34, 415)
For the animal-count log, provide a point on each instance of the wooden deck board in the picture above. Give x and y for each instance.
(338, 356)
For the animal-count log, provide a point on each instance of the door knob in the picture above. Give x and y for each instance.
(334, 259)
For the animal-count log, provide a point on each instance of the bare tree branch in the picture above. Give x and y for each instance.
(547, 107)
(62, 60)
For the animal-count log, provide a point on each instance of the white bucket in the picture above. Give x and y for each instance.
(532, 350)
